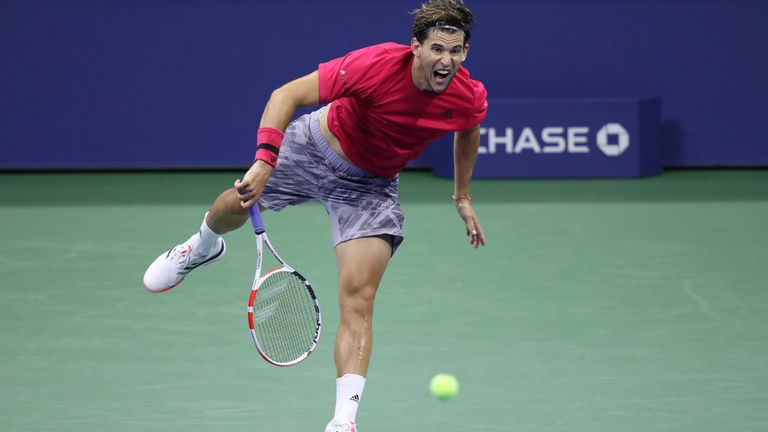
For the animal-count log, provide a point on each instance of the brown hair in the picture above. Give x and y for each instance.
(445, 15)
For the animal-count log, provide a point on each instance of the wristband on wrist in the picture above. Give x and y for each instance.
(269, 140)
(458, 198)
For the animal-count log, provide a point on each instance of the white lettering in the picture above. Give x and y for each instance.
(507, 140)
(555, 140)
(577, 135)
(553, 135)
(481, 149)
(527, 141)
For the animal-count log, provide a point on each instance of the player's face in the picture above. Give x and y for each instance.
(437, 60)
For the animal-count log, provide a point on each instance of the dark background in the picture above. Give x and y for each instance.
(181, 84)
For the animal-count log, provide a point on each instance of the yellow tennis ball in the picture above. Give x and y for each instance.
(444, 386)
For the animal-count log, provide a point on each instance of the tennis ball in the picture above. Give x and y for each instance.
(444, 386)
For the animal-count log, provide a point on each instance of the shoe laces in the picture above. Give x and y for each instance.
(181, 254)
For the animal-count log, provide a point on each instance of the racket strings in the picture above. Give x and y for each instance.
(285, 317)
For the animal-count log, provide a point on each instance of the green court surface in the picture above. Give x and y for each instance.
(597, 305)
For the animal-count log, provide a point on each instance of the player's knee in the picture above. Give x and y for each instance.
(230, 197)
(358, 300)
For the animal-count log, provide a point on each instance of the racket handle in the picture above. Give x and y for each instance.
(258, 225)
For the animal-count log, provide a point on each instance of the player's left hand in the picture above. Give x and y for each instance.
(474, 230)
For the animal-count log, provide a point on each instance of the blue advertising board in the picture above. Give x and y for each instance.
(549, 138)
(138, 84)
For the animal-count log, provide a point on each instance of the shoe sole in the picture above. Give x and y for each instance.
(211, 260)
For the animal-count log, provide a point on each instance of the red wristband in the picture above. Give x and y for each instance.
(268, 156)
(269, 140)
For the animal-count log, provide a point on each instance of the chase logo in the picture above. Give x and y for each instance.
(612, 140)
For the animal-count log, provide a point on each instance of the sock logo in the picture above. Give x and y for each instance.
(355, 398)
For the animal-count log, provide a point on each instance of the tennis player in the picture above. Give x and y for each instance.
(381, 105)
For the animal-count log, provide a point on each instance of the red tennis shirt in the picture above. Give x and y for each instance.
(382, 120)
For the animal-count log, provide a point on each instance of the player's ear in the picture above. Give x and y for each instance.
(466, 51)
(415, 47)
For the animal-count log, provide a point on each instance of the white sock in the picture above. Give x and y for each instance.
(206, 237)
(349, 391)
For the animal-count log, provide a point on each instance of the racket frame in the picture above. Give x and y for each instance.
(261, 240)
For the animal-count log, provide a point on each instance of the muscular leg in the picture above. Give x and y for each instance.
(361, 266)
(226, 214)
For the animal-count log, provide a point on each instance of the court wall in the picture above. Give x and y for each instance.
(181, 84)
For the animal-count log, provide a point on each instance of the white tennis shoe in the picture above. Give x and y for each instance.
(337, 425)
(170, 268)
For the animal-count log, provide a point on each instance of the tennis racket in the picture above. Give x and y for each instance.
(283, 312)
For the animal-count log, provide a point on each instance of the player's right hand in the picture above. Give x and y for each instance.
(250, 188)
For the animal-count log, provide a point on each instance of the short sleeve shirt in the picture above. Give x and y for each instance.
(382, 120)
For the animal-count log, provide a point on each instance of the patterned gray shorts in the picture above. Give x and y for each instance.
(359, 204)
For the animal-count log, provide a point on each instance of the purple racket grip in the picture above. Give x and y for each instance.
(258, 224)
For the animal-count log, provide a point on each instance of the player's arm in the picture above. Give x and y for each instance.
(283, 102)
(279, 111)
(465, 146)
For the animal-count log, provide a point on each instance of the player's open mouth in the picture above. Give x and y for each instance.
(441, 74)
